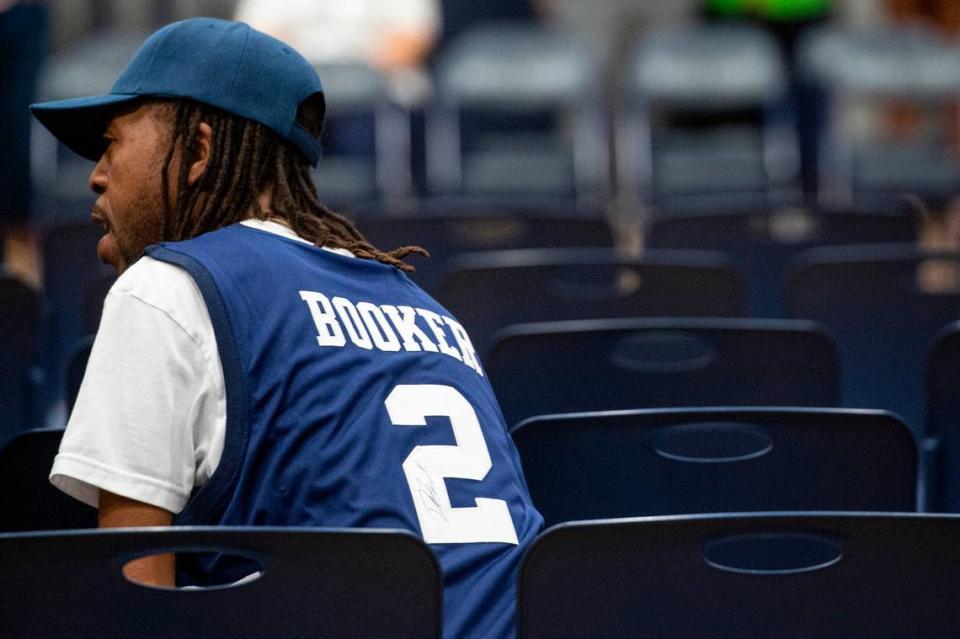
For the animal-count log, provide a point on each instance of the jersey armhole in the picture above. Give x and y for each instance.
(207, 502)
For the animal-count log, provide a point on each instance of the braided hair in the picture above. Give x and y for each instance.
(246, 160)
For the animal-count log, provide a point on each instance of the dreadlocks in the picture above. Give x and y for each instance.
(248, 159)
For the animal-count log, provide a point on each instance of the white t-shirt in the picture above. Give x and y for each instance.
(150, 419)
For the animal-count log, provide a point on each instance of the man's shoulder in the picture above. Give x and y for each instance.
(155, 282)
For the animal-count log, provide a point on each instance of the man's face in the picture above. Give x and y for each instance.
(127, 180)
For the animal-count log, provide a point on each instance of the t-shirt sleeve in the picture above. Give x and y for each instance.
(144, 402)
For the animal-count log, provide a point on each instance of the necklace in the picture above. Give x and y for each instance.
(278, 220)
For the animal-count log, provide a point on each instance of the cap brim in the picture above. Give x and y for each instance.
(79, 123)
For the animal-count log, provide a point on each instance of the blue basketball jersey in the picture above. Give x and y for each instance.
(355, 400)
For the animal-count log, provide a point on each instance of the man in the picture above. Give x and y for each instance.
(258, 361)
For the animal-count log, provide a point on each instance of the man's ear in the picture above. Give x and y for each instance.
(201, 152)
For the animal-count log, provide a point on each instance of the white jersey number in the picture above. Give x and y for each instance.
(427, 466)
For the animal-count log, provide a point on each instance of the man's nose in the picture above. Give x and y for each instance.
(98, 178)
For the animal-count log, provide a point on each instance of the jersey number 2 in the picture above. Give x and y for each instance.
(427, 466)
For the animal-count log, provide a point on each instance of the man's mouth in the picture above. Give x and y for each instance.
(98, 217)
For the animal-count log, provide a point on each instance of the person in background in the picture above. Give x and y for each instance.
(390, 35)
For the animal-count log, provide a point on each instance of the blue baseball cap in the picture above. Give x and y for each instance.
(225, 64)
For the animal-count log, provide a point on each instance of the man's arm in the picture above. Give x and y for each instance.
(150, 417)
(122, 512)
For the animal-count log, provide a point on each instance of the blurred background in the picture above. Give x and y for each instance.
(604, 140)
(613, 107)
(745, 212)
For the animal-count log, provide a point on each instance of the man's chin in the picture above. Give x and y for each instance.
(109, 253)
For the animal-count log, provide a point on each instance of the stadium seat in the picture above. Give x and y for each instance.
(790, 576)
(705, 121)
(869, 69)
(883, 304)
(447, 235)
(682, 461)
(591, 365)
(764, 243)
(491, 290)
(315, 582)
(942, 442)
(532, 77)
(30, 502)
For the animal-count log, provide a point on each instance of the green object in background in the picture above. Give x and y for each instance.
(771, 10)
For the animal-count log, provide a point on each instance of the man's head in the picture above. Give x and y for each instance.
(173, 169)
(212, 122)
(197, 95)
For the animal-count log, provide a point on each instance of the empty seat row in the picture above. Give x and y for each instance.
(881, 305)
(602, 365)
(765, 243)
(659, 362)
(706, 116)
(831, 575)
(598, 465)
